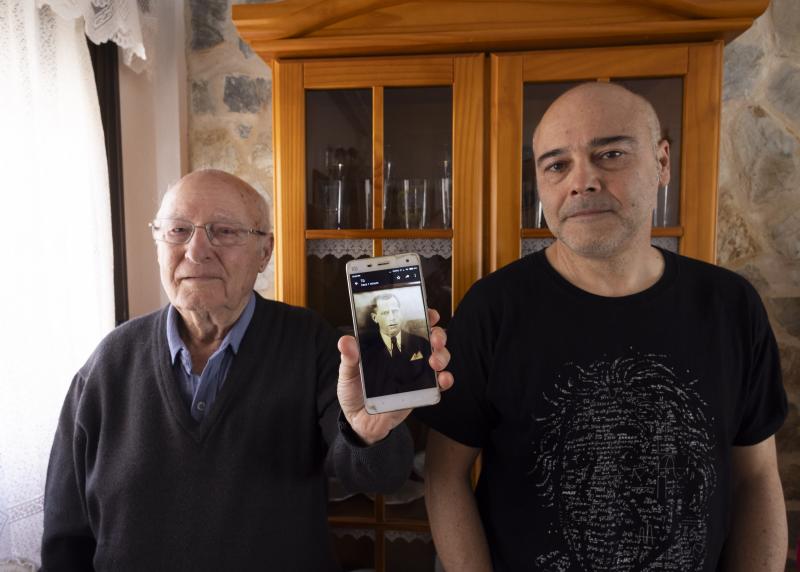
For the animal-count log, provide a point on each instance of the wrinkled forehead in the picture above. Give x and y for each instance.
(209, 199)
(576, 119)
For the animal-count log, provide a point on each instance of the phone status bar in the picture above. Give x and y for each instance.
(394, 277)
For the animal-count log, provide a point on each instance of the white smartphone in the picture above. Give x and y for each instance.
(390, 319)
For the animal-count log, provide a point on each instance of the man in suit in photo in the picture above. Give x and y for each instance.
(394, 359)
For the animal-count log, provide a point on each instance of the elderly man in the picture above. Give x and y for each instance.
(632, 428)
(393, 358)
(194, 438)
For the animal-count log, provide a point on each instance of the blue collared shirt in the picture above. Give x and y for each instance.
(200, 391)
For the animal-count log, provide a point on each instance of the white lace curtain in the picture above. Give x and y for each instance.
(56, 282)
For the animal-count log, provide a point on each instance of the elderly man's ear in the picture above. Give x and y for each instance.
(269, 244)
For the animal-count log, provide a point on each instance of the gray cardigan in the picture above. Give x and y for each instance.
(134, 483)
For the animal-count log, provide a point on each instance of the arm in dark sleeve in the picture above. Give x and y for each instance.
(382, 467)
(68, 542)
(765, 406)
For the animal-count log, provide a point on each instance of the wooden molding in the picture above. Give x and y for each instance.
(700, 153)
(290, 197)
(366, 72)
(314, 28)
(594, 64)
(377, 233)
(505, 162)
(298, 18)
(468, 172)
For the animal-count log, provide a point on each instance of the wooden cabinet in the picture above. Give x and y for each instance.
(380, 106)
(378, 156)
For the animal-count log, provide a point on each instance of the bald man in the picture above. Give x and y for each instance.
(194, 438)
(624, 398)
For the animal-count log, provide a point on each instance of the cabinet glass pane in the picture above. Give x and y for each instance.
(418, 128)
(408, 502)
(409, 552)
(327, 281)
(354, 548)
(531, 245)
(344, 503)
(339, 158)
(437, 269)
(670, 243)
(666, 95)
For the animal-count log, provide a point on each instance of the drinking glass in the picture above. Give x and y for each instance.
(415, 194)
(332, 196)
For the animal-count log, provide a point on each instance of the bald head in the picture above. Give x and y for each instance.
(603, 98)
(228, 184)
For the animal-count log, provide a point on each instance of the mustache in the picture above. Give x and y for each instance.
(584, 204)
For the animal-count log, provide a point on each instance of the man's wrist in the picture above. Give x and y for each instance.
(355, 438)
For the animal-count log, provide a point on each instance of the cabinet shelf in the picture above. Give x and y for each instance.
(376, 234)
(362, 522)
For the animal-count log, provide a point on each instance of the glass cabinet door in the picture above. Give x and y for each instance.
(390, 161)
(339, 158)
(527, 84)
(417, 131)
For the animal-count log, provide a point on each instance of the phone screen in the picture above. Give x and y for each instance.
(392, 330)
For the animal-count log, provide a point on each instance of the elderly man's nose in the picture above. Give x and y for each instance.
(198, 249)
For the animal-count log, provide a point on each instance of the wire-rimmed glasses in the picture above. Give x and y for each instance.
(178, 231)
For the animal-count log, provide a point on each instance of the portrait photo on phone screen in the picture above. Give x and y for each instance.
(392, 331)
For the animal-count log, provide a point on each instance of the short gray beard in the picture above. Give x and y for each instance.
(600, 246)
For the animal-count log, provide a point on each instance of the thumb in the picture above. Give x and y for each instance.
(348, 348)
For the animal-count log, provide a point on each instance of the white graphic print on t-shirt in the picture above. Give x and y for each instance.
(623, 453)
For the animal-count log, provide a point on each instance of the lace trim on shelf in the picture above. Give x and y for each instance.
(357, 247)
(425, 247)
(352, 247)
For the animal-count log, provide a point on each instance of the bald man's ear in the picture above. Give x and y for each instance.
(662, 157)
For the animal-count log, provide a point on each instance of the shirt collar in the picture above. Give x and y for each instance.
(233, 338)
(387, 341)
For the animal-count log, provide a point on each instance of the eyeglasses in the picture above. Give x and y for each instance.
(177, 231)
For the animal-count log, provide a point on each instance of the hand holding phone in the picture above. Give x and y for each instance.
(387, 299)
(373, 427)
(370, 410)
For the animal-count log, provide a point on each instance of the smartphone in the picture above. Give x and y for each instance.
(390, 319)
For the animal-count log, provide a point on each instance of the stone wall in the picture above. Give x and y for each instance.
(758, 234)
(759, 202)
(230, 107)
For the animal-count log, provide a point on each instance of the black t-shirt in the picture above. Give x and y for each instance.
(607, 423)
